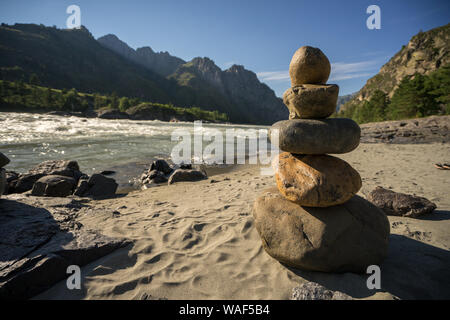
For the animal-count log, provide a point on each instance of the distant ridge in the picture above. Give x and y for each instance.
(237, 87)
(65, 59)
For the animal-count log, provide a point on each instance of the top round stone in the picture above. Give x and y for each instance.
(309, 66)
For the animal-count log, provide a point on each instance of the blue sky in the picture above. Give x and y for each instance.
(261, 35)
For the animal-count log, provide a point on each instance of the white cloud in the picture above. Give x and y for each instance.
(273, 75)
(339, 71)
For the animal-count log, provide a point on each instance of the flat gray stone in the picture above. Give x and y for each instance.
(308, 136)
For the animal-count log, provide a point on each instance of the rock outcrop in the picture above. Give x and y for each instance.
(40, 239)
(60, 178)
(422, 130)
(424, 53)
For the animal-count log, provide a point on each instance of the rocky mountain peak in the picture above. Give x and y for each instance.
(145, 50)
(162, 62)
(424, 53)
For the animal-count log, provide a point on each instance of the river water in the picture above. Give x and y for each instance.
(125, 146)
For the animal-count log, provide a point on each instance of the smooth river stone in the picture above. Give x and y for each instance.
(309, 66)
(310, 136)
(311, 101)
(343, 238)
(315, 180)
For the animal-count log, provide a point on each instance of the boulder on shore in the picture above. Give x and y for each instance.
(101, 186)
(54, 186)
(400, 204)
(65, 168)
(153, 176)
(187, 175)
(343, 238)
(161, 165)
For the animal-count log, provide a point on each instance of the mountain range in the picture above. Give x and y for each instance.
(64, 59)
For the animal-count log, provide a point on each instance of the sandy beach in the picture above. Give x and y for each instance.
(197, 240)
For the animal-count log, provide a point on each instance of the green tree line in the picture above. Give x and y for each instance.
(29, 96)
(416, 96)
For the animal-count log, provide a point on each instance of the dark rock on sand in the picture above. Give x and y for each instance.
(101, 186)
(82, 187)
(39, 244)
(400, 204)
(187, 175)
(343, 238)
(65, 168)
(154, 176)
(54, 186)
(308, 136)
(161, 165)
(314, 291)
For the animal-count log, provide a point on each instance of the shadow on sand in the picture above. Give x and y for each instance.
(412, 270)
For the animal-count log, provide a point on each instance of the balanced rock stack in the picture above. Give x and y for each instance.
(314, 220)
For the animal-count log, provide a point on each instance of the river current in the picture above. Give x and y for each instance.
(124, 146)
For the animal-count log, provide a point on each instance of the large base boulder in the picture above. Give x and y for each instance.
(342, 238)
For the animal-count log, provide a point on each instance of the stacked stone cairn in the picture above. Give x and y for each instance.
(314, 220)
